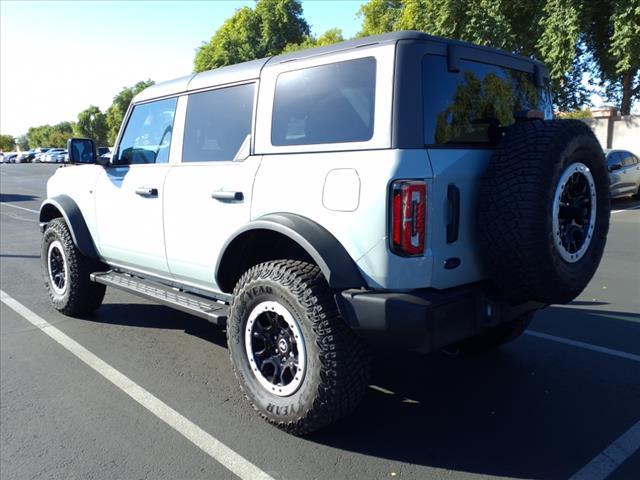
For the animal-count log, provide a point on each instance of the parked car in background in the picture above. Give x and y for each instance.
(24, 157)
(40, 153)
(59, 156)
(52, 155)
(624, 173)
(10, 157)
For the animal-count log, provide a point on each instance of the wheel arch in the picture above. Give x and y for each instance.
(298, 237)
(65, 207)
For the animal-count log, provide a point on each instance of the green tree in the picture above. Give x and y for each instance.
(7, 143)
(254, 33)
(92, 123)
(331, 36)
(379, 16)
(115, 113)
(50, 135)
(23, 142)
(573, 37)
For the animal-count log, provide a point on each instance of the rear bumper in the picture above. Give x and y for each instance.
(425, 320)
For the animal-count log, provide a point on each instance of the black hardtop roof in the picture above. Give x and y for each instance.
(251, 69)
(390, 37)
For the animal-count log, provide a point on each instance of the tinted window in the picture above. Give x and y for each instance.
(326, 104)
(613, 158)
(217, 123)
(147, 136)
(627, 159)
(469, 107)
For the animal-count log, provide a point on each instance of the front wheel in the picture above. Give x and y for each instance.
(66, 272)
(297, 361)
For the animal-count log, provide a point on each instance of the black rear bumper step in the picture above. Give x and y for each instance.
(202, 307)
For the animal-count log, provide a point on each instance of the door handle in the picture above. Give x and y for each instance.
(147, 191)
(228, 196)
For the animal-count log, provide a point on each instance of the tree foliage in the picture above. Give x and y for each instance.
(23, 142)
(92, 123)
(7, 143)
(50, 135)
(331, 36)
(573, 37)
(254, 33)
(115, 113)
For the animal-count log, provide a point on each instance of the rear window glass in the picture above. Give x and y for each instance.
(470, 106)
(326, 104)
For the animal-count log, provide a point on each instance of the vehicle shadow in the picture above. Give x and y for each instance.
(16, 197)
(158, 316)
(625, 203)
(535, 409)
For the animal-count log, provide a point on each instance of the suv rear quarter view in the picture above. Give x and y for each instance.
(402, 190)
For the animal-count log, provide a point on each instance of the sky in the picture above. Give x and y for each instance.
(59, 57)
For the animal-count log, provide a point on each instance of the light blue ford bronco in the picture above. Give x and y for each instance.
(399, 191)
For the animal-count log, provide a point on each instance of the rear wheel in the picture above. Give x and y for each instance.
(66, 272)
(296, 360)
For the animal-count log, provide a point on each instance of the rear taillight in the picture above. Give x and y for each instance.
(408, 217)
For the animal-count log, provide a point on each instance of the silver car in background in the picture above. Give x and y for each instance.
(624, 173)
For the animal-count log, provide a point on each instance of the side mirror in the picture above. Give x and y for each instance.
(615, 166)
(82, 150)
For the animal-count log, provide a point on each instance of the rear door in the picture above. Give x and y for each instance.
(208, 194)
(465, 109)
(631, 172)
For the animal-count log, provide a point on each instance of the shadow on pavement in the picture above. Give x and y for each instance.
(16, 197)
(535, 409)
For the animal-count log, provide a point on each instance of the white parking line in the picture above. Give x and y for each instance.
(19, 207)
(587, 346)
(612, 457)
(192, 432)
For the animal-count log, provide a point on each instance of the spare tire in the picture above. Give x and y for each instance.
(543, 211)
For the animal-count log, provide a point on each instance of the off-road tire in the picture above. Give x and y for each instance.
(495, 337)
(337, 363)
(515, 211)
(80, 296)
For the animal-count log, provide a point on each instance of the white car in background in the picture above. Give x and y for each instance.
(54, 155)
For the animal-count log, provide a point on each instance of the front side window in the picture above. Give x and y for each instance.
(470, 107)
(217, 123)
(613, 158)
(331, 103)
(147, 136)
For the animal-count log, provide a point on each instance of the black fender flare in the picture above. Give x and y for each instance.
(326, 251)
(75, 221)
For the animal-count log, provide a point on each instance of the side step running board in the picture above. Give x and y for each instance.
(202, 307)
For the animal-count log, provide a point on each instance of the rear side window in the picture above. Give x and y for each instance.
(470, 106)
(217, 123)
(331, 103)
(147, 136)
(627, 159)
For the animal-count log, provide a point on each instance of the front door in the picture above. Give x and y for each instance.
(208, 195)
(130, 193)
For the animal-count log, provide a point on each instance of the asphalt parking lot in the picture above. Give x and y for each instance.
(562, 400)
